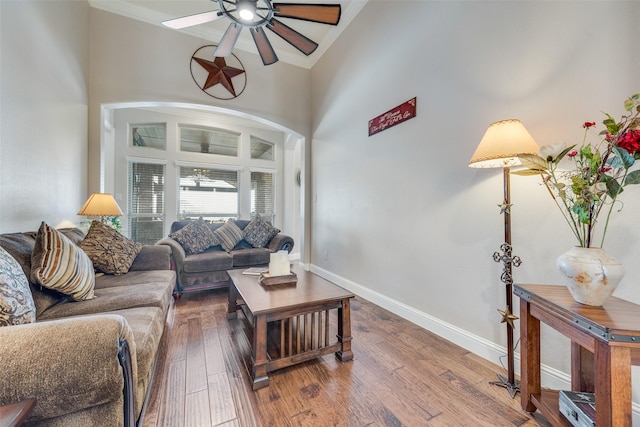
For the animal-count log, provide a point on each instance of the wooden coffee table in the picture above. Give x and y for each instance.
(290, 324)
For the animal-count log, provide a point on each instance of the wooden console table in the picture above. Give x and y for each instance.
(605, 342)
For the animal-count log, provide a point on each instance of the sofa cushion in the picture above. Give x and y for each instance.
(229, 234)
(250, 256)
(210, 260)
(16, 303)
(110, 251)
(115, 298)
(195, 237)
(259, 231)
(135, 278)
(58, 264)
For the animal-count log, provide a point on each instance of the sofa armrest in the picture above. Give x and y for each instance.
(68, 364)
(281, 242)
(152, 257)
(177, 251)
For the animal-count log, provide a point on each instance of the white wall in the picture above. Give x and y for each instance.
(44, 63)
(398, 216)
(137, 62)
(133, 61)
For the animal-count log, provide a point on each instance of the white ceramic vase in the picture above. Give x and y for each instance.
(590, 274)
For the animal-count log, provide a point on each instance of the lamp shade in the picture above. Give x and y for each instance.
(501, 145)
(100, 204)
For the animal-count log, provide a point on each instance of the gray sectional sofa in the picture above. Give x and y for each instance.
(208, 269)
(88, 363)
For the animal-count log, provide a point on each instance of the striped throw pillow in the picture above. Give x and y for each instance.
(58, 264)
(229, 235)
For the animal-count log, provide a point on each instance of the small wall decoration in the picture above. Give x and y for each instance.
(393, 117)
(218, 77)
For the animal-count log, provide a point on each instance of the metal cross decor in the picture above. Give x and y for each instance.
(506, 258)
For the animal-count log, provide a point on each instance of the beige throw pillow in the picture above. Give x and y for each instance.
(58, 264)
(110, 251)
(229, 235)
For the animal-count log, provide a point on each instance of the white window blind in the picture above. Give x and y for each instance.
(146, 202)
(262, 195)
(210, 194)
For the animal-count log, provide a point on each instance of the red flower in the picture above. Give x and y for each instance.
(630, 141)
(572, 154)
(587, 125)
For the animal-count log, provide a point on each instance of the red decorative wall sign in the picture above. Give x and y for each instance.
(393, 117)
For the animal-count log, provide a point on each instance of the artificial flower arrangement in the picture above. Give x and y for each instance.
(598, 173)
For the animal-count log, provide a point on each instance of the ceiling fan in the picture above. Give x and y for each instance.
(258, 14)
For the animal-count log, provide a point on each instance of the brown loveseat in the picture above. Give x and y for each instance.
(208, 268)
(88, 363)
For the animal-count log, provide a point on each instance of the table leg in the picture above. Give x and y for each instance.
(581, 369)
(232, 310)
(344, 331)
(613, 385)
(529, 356)
(259, 356)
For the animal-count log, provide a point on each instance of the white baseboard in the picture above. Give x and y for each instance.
(550, 377)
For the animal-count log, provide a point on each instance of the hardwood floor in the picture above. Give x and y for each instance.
(401, 375)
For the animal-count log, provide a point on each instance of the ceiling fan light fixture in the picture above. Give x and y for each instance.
(259, 15)
(246, 10)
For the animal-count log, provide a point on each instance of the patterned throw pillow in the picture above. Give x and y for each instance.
(229, 235)
(110, 251)
(195, 237)
(58, 264)
(16, 301)
(259, 232)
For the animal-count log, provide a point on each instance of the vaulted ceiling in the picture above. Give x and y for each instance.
(157, 11)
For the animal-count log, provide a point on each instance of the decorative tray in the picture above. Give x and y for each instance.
(288, 279)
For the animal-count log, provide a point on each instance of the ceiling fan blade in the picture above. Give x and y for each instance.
(191, 20)
(228, 40)
(294, 38)
(267, 54)
(322, 13)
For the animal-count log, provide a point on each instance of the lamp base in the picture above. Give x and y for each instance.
(513, 389)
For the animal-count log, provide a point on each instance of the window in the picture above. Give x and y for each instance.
(209, 169)
(261, 149)
(146, 202)
(151, 135)
(209, 141)
(210, 194)
(262, 195)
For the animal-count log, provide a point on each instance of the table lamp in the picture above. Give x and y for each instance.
(500, 147)
(102, 205)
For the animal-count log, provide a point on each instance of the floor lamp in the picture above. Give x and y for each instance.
(500, 147)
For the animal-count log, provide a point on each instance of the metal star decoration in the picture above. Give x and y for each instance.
(505, 208)
(508, 317)
(219, 73)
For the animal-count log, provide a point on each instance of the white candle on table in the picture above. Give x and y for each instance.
(284, 262)
(274, 264)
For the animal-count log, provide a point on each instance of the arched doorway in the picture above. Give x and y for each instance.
(290, 192)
